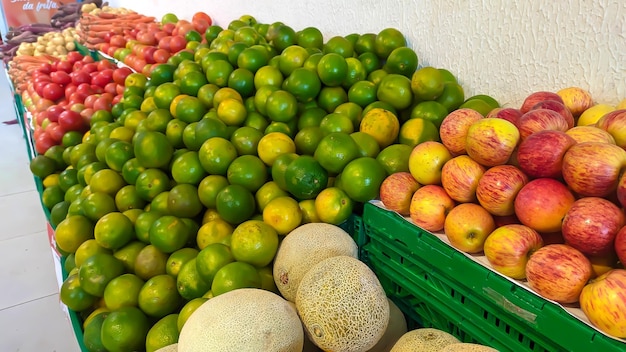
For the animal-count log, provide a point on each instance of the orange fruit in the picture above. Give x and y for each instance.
(150, 183)
(281, 106)
(309, 214)
(159, 296)
(365, 43)
(128, 254)
(150, 261)
(122, 291)
(152, 149)
(417, 130)
(168, 233)
(305, 177)
(217, 72)
(352, 111)
(178, 258)
(254, 242)
(335, 151)
(268, 192)
(211, 259)
(232, 112)
(339, 45)
(303, 84)
(74, 296)
(402, 60)
(268, 76)
(216, 154)
(96, 205)
(362, 93)
(188, 309)
(164, 94)
(452, 96)
(248, 171)
(311, 117)
(395, 158)
(246, 140)
(292, 58)
(370, 62)
(330, 98)
(235, 204)
(310, 37)
(431, 111)
(114, 230)
(189, 283)
(332, 69)
(280, 166)
(333, 206)
(163, 333)
(242, 80)
(183, 201)
(381, 124)
(125, 330)
(214, 231)
(395, 90)
(387, 40)
(187, 168)
(261, 96)
(189, 109)
(86, 250)
(307, 140)
(97, 271)
(209, 187)
(233, 276)
(106, 181)
(336, 122)
(427, 83)
(159, 203)
(361, 179)
(252, 58)
(283, 214)
(356, 72)
(274, 144)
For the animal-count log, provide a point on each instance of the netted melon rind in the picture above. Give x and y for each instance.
(424, 339)
(342, 305)
(468, 347)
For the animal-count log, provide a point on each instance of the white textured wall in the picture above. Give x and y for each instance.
(503, 48)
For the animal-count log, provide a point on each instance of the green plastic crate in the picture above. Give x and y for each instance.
(437, 286)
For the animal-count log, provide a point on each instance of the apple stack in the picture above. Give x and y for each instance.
(539, 190)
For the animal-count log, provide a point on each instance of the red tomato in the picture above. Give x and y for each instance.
(60, 77)
(74, 56)
(118, 41)
(102, 78)
(38, 131)
(52, 91)
(80, 77)
(40, 117)
(111, 87)
(43, 142)
(168, 28)
(97, 89)
(105, 64)
(201, 16)
(177, 43)
(53, 112)
(103, 103)
(69, 89)
(88, 59)
(64, 66)
(148, 54)
(45, 68)
(117, 99)
(84, 88)
(90, 100)
(71, 121)
(90, 67)
(160, 35)
(55, 131)
(119, 74)
(164, 43)
(201, 25)
(38, 86)
(161, 56)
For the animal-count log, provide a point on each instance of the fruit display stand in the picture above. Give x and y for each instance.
(438, 286)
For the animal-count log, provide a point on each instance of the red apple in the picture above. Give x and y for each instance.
(497, 189)
(615, 123)
(541, 153)
(459, 177)
(620, 246)
(510, 114)
(508, 248)
(593, 168)
(537, 97)
(453, 129)
(426, 162)
(558, 107)
(576, 99)
(430, 205)
(601, 264)
(590, 133)
(591, 225)
(396, 192)
(603, 301)
(540, 120)
(621, 190)
(558, 272)
(491, 141)
(467, 226)
(542, 203)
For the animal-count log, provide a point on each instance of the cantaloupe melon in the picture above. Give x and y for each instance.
(243, 320)
(309, 346)
(304, 247)
(467, 347)
(395, 329)
(342, 305)
(169, 348)
(424, 339)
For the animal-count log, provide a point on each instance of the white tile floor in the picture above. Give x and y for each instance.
(31, 317)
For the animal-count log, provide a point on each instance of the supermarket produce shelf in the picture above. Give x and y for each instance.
(437, 286)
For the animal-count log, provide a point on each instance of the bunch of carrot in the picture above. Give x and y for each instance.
(94, 27)
(21, 67)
